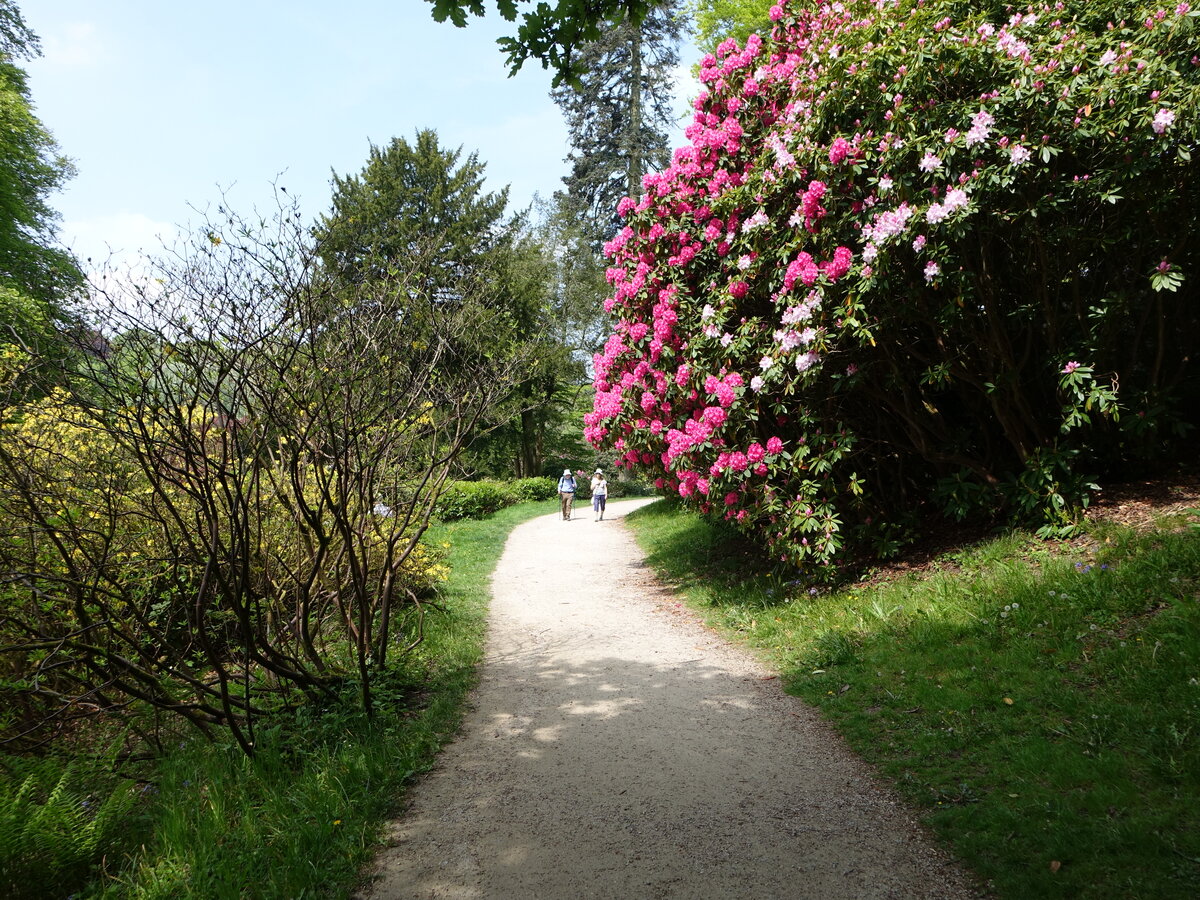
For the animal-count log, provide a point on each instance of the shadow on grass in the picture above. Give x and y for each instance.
(1041, 710)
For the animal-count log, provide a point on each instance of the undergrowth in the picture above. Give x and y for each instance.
(301, 819)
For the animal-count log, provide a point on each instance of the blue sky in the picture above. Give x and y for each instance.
(167, 106)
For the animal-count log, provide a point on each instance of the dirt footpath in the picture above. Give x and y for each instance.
(617, 749)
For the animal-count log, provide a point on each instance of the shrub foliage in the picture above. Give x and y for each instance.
(223, 512)
(917, 251)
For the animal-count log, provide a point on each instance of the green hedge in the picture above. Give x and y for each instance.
(479, 499)
(473, 500)
(533, 489)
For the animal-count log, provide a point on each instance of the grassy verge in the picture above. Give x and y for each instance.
(305, 816)
(1039, 705)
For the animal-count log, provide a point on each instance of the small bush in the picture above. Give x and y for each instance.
(533, 489)
(473, 500)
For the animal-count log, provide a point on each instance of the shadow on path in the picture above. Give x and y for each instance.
(618, 749)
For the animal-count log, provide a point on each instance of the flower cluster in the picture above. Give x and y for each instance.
(821, 203)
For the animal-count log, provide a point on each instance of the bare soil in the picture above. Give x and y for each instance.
(616, 748)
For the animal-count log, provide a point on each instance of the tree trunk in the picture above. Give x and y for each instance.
(634, 125)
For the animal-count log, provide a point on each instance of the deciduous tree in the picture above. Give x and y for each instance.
(551, 34)
(38, 280)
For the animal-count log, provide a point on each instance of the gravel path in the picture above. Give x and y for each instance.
(617, 749)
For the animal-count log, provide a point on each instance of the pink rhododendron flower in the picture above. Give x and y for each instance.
(1163, 119)
(1070, 367)
(774, 445)
(806, 361)
(756, 220)
(956, 198)
(932, 270)
(1019, 155)
(839, 150)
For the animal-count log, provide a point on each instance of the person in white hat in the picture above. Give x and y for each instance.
(599, 495)
(566, 493)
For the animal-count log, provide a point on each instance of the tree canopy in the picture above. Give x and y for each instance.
(551, 34)
(37, 278)
(718, 20)
(410, 195)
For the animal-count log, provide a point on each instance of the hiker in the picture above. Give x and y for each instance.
(566, 493)
(599, 495)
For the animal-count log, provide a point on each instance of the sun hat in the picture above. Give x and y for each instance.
(599, 471)
(566, 471)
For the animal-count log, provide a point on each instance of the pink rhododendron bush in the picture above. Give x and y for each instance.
(917, 256)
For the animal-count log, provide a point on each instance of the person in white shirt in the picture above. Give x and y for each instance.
(599, 495)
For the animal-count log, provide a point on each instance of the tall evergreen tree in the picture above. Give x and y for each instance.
(410, 195)
(619, 114)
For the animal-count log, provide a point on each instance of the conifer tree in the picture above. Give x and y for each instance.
(410, 195)
(618, 115)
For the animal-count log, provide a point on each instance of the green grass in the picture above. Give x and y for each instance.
(306, 815)
(1039, 705)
